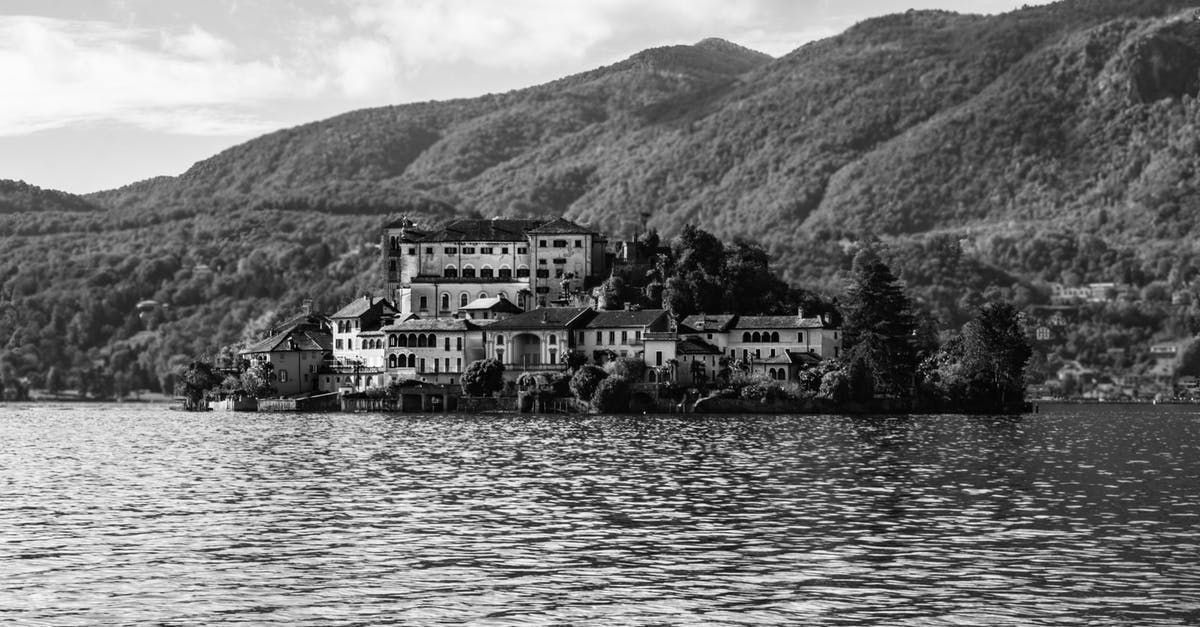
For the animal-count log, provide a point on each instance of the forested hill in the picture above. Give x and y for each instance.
(1057, 142)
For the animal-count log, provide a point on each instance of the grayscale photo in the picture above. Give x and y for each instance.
(599, 312)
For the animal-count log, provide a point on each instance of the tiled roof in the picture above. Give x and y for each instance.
(360, 306)
(544, 318)
(777, 322)
(516, 282)
(607, 319)
(305, 320)
(495, 303)
(695, 346)
(479, 230)
(305, 341)
(560, 225)
(791, 357)
(431, 324)
(708, 323)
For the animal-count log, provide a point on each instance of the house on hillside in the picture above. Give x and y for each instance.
(295, 354)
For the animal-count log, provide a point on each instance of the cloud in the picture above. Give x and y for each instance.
(60, 72)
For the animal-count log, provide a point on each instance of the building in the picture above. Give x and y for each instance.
(494, 308)
(432, 351)
(777, 346)
(296, 355)
(356, 335)
(535, 341)
(611, 334)
(532, 263)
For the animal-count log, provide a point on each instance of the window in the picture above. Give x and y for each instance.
(637, 336)
(523, 272)
(483, 295)
(283, 376)
(459, 362)
(624, 337)
(542, 289)
(558, 261)
(392, 265)
(468, 272)
(429, 250)
(542, 243)
(499, 340)
(543, 273)
(522, 250)
(422, 368)
(553, 340)
(445, 302)
(657, 358)
(450, 272)
(486, 250)
(458, 343)
(558, 273)
(612, 337)
(581, 337)
(450, 250)
(468, 250)
(578, 243)
(462, 299)
(746, 336)
(560, 243)
(599, 338)
(542, 262)
(337, 344)
(412, 250)
(424, 303)
(485, 272)
(505, 272)
(504, 250)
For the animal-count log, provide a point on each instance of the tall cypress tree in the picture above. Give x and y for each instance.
(879, 329)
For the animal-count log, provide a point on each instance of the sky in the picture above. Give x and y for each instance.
(95, 94)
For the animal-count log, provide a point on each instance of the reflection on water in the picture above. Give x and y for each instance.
(116, 515)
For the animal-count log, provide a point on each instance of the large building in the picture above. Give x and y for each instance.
(532, 263)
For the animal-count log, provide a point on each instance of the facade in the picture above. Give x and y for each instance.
(495, 308)
(532, 263)
(356, 336)
(611, 334)
(432, 351)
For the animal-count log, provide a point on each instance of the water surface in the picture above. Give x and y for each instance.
(125, 515)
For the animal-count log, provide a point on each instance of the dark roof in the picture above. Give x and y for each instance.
(360, 306)
(718, 322)
(479, 230)
(432, 324)
(696, 346)
(777, 322)
(544, 318)
(791, 357)
(495, 303)
(645, 317)
(560, 225)
(459, 280)
(305, 340)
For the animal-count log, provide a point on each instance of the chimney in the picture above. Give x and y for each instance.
(800, 312)
(306, 306)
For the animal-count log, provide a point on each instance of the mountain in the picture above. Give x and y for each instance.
(991, 154)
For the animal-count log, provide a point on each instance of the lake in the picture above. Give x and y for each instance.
(1079, 515)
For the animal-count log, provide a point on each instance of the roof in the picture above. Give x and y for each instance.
(310, 320)
(560, 225)
(431, 324)
(777, 322)
(544, 318)
(705, 323)
(305, 340)
(360, 306)
(696, 346)
(495, 303)
(480, 230)
(645, 317)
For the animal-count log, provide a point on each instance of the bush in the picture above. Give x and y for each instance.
(612, 395)
(483, 378)
(583, 384)
(628, 368)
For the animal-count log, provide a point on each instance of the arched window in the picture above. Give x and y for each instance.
(523, 271)
(553, 340)
(499, 340)
(412, 361)
(462, 299)
(746, 336)
(756, 337)
(775, 336)
(468, 272)
(421, 341)
(503, 295)
(505, 272)
(391, 361)
(483, 295)
(450, 271)
(432, 343)
(486, 272)
(445, 301)
(402, 340)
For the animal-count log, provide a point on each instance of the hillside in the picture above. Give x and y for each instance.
(1058, 143)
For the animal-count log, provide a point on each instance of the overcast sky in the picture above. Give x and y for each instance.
(96, 94)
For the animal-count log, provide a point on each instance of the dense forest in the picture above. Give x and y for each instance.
(985, 157)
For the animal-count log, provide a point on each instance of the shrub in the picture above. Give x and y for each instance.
(612, 395)
(483, 378)
(628, 368)
(583, 384)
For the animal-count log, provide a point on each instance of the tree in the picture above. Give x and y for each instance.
(879, 327)
(583, 384)
(55, 381)
(258, 380)
(194, 382)
(612, 395)
(484, 377)
(995, 351)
